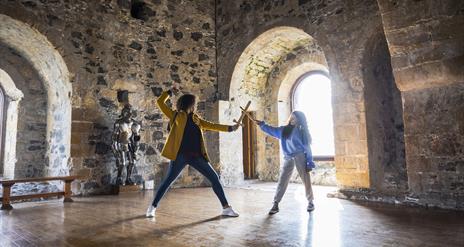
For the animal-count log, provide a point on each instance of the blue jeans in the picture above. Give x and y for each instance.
(201, 165)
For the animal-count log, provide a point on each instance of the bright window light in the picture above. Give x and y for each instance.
(313, 96)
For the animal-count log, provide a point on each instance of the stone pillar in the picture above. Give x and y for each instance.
(351, 154)
(9, 149)
(230, 147)
(428, 60)
(13, 96)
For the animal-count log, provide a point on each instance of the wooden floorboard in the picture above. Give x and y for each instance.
(189, 217)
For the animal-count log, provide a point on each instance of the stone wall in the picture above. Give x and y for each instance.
(145, 47)
(36, 49)
(425, 42)
(323, 174)
(341, 29)
(32, 115)
(434, 135)
(109, 46)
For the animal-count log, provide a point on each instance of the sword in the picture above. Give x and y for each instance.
(248, 114)
(239, 121)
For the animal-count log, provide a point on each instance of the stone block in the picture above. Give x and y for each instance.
(75, 150)
(129, 85)
(406, 14)
(84, 173)
(76, 138)
(431, 74)
(76, 164)
(82, 126)
(340, 148)
(346, 163)
(356, 147)
(353, 179)
(400, 61)
(80, 150)
(362, 131)
(77, 114)
(445, 30)
(417, 163)
(347, 132)
(412, 144)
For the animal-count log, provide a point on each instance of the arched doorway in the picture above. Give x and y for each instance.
(32, 115)
(265, 75)
(51, 68)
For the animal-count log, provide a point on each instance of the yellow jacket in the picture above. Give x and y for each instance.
(172, 145)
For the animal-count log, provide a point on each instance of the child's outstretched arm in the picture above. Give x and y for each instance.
(270, 130)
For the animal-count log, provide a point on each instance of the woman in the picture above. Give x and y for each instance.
(185, 145)
(295, 141)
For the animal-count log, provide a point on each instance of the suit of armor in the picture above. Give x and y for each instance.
(125, 143)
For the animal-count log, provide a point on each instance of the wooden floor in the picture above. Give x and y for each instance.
(188, 217)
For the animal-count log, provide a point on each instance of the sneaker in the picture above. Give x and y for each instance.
(310, 207)
(229, 212)
(151, 211)
(274, 209)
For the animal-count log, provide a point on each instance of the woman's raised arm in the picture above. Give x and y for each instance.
(161, 102)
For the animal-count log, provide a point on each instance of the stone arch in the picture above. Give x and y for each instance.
(12, 98)
(260, 57)
(280, 87)
(291, 43)
(52, 70)
(264, 74)
(282, 80)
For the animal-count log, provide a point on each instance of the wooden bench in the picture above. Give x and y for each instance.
(7, 184)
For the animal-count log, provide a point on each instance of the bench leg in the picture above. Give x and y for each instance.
(6, 197)
(67, 191)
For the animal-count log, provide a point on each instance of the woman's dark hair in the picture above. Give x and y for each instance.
(302, 127)
(185, 102)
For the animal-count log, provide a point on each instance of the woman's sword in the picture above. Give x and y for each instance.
(244, 110)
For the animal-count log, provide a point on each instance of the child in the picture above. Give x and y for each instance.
(295, 141)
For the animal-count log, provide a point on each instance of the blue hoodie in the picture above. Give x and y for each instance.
(292, 145)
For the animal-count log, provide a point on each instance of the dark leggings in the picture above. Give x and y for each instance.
(201, 165)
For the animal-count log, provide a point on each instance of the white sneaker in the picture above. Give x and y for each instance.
(151, 211)
(229, 212)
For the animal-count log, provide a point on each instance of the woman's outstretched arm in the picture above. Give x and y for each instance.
(207, 125)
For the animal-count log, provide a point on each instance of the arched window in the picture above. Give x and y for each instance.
(312, 95)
